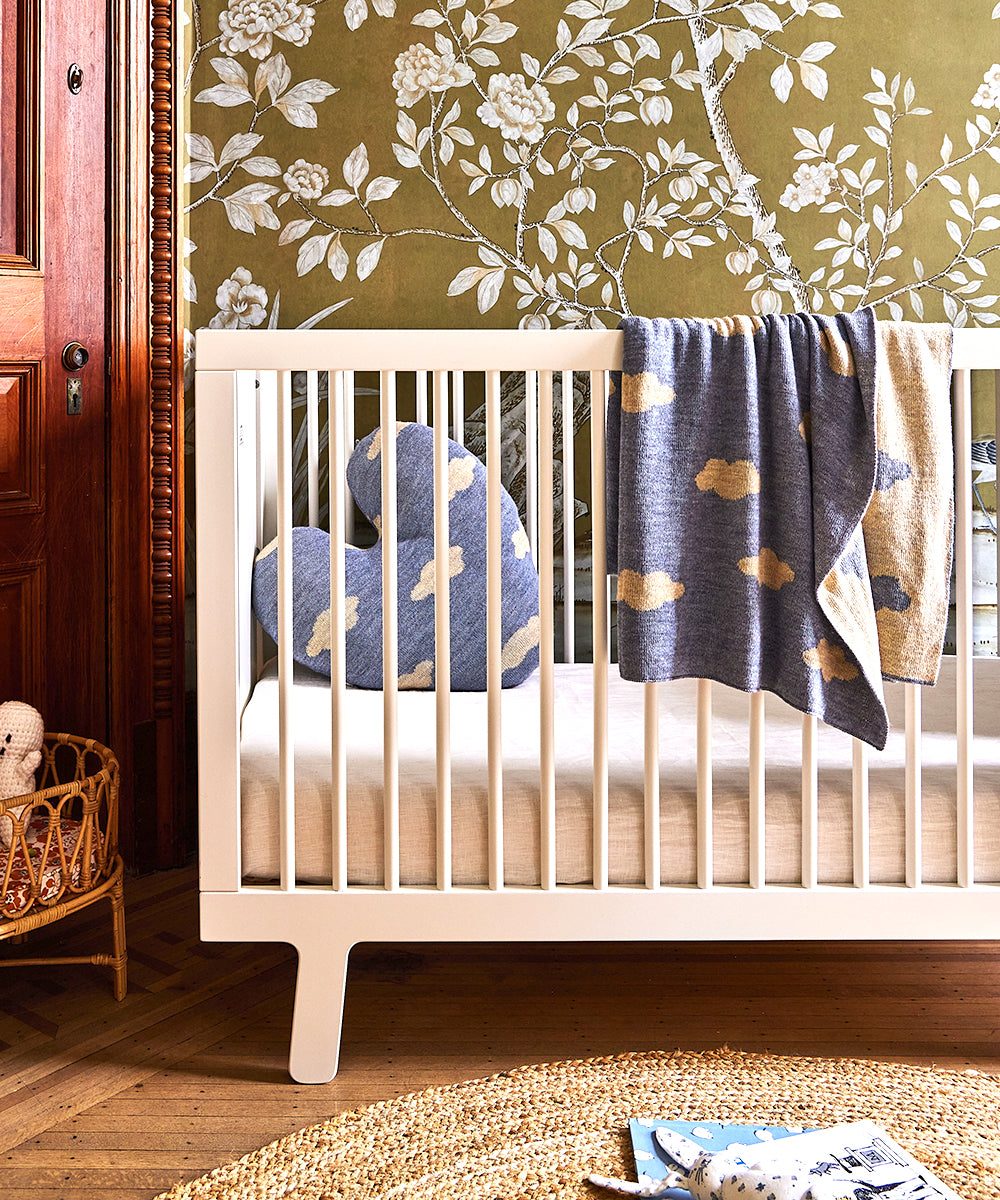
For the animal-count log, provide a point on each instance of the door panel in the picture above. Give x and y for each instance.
(20, 132)
(22, 592)
(20, 438)
(53, 472)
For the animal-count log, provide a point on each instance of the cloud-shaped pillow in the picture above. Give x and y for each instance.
(519, 626)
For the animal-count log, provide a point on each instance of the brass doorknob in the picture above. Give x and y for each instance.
(74, 356)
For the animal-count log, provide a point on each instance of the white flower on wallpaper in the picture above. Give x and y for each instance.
(571, 140)
(420, 71)
(517, 108)
(988, 95)
(242, 304)
(251, 25)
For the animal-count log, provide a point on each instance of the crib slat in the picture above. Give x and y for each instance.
(266, 383)
(312, 444)
(338, 658)
(914, 832)
(810, 803)
(860, 813)
(442, 630)
(390, 636)
(569, 521)
(962, 397)
(348, 447)
(651, 784)
(531, 460)
(286, 666)
(599, 612)
(756, 831)
(996, 485)
(494, 760)
(704, 758)
(546, 649)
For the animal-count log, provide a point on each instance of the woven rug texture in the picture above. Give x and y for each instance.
(537, 1131)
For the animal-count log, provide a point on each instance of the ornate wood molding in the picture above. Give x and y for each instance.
(167, 396)
(146, 521)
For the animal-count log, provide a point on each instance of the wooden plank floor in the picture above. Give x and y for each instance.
(103, 1099)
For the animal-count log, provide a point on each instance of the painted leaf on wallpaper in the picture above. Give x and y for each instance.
(597, 158)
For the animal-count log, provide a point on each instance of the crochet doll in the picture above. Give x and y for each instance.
(21, 730)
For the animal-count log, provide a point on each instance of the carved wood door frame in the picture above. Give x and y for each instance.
(146, 434)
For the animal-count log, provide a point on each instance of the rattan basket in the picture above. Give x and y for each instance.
(63, 852)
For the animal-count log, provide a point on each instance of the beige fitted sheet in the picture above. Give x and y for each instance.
(574, 784)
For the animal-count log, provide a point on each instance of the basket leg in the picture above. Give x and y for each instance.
(120, 960)
(318, 1014)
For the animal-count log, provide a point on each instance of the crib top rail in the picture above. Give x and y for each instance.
(408, 349)
(463, 349)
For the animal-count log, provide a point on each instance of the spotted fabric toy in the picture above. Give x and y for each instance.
(733, 1174)
(21, 733)
(519, 621)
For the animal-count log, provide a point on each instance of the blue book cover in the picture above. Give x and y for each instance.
(650, 1164)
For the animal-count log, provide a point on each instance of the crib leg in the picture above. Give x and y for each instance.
(318, 1014)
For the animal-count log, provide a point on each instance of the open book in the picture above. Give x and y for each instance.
(861, 1156)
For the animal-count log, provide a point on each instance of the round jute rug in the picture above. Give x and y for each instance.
(537, 1131)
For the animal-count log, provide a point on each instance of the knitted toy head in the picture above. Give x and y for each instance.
(21, 730)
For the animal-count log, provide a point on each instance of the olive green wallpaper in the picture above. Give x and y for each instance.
(534, 162)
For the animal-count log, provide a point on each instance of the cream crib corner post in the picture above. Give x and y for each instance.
(225, 433)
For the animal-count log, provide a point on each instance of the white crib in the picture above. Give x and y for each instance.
(731, 845)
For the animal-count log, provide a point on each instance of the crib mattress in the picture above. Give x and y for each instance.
(574, 784)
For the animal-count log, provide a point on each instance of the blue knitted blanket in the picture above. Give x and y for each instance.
(780, 507)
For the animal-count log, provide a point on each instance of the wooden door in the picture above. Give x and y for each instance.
(53, 418)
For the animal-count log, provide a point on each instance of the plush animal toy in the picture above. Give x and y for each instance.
(733, 1174)
(21, 731)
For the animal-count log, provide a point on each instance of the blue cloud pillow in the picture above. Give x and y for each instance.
(519, 627)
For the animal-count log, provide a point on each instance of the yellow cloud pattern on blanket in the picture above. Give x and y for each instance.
(767, 568)
(831, 661)
(805, 427)
(740, 326)
(646, 592)
(320, 639)
(425, 584)
(519, 643)
(644, 391)
(520, 541)
(732, 481)
(422, 676)
(461, 472)
(376, 444)
(838, 352)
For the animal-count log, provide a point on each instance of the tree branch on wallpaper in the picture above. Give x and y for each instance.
(559, 194)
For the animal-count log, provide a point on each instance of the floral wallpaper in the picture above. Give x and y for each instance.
(421, 163)
(503, 162)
